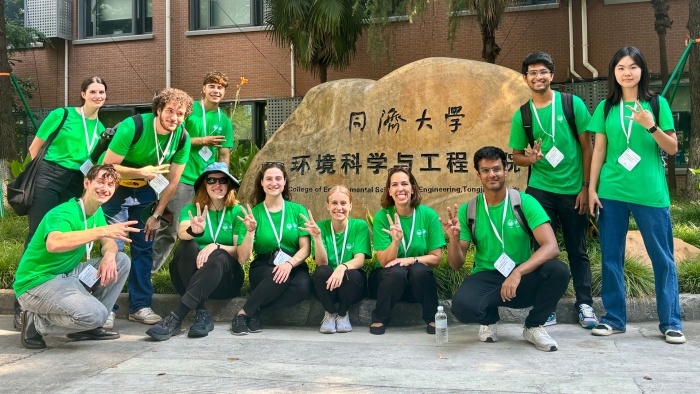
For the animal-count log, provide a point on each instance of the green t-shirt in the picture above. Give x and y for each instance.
(567, 176)
(357, 242)
(231, 225)
(38, 265)
(217, 124)
(516, 240)
(427, 233)
(646, 183)
(265, 241)
(144, 152)
(69, 149)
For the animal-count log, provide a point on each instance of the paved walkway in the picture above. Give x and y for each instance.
(404, 360)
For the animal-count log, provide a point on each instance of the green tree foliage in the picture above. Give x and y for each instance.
(322, 33)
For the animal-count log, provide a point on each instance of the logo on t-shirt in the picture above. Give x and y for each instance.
(227, 226)
(513, 223)
(560, 118)
(348, 246)
(291, 226)
(421, 232)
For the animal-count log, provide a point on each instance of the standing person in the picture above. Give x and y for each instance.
(60, 176)
(60, 292)
(341, 246)
(506, 272)
(626, 156)
(560, 169)
(279, 276)
(141, 164)
(205, 263)
(211, 138)
(408, 240)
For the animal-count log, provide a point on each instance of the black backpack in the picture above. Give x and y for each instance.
(108, 134)
(516, 206)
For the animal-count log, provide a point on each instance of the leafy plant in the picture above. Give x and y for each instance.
(240, 160)
(18, 167)
(638, 278)
(689, 276)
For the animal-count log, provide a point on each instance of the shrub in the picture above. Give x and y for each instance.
(689, 276)
(638, 278)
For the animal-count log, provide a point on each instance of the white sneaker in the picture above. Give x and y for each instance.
(328, 324)
(342, 323)
(145, 316)
(109, 323)
(539, 337)
(551, 320)
(674, 336)
(488, 333)
(586, 316)
(603, 330)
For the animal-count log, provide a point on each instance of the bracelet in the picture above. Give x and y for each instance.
(346, 267)
(193, 234)
(290, 263)
(218, 246)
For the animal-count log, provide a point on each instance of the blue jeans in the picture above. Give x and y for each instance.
(126, 204)
(655, 226)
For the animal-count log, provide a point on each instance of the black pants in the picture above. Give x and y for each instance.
(415, 283)
(220, 278)
(350, 291)
(478, 298)
(574, 228)
(268, 296)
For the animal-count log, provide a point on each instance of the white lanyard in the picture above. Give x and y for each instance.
(628, 130)
(272, 224)
(155, 135)
(345, 240)
(204, 117)
(410, 237)
(94, 132)
(554, 110)
(88, 246)
(505, 209)
(223, 217)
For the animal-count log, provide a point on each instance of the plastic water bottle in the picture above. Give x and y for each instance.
(440, 326)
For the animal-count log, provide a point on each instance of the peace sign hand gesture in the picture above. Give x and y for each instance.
(534, 153)
(249, 220)
(395, 229)
(451, 225)
(311, 226)
(641, 116)
(197, 223)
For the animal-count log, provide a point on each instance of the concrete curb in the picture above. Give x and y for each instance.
(310, 312)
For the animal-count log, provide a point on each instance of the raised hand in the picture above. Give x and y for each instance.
(249, 220)
(120, 230)
(534, 153)
(641, 115)
(310, 225)
(151, 172)
(395, 229)
(451, 225)
(198, 223)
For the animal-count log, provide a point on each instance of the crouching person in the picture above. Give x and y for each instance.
(61, 289)
(506, 272)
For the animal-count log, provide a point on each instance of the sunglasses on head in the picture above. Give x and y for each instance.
(273, 163)
(223, 180)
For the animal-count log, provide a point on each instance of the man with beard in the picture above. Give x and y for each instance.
(211, 135)
(506, 272)
(162, 148)
(59, 291)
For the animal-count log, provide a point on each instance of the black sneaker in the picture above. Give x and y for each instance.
(166, 328)
(254, 324)
(18, 320)
(239, 326)
(30, 337)
(203, 324)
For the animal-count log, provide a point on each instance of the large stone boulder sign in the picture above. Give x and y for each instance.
(431, 115)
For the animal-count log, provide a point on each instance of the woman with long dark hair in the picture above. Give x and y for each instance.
(279, 276)
(627, 176)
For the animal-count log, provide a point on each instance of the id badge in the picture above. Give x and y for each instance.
(88, 276)
(554, 156)
(159, 183)
(281, 258)
(205, 153)
(629, 159)
(504, 265)
(86, 167)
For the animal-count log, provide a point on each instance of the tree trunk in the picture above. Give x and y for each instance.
(323, 73)
(490, 49)
(691, 183)
(8, 150)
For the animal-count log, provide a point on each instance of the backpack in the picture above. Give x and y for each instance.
(567, 104)
(653, 102)
(515, 205)
(108, 134)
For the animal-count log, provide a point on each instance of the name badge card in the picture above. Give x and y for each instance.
(505, 265)
(629, 159)
(205, 153)
(88, 276)
(159, 183)
(86, 167)
(281, 258)
(554, 156)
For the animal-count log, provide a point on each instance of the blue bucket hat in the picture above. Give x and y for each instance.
(217, 166)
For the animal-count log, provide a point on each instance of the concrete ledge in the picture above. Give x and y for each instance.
(310, 312)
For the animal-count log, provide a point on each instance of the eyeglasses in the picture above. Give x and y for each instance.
(273, 163)
(495, 170)
(223, 180)
(541, 73)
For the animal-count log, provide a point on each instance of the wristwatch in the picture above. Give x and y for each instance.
(586, 183)
(156, 216)
(653, 129)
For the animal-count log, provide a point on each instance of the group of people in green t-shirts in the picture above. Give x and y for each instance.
(515, 259)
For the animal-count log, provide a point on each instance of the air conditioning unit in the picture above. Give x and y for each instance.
(54, 18)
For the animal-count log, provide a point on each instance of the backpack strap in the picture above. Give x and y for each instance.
(607, 108)
(183, 139)
(567, 104)
(526, 115)
(654, 103)
(517, 208)
(471, 217)
(138, 129)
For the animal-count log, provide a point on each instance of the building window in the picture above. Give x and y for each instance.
(215, 14)
(115, 17)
